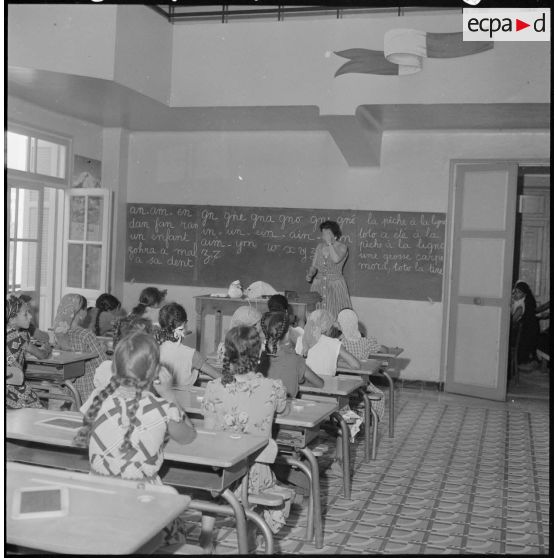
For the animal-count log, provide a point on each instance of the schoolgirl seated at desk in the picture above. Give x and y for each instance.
(18, 342)
(125, 425)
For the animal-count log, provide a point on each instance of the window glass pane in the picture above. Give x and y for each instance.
(77, 217)
(75, 263)
(25, 266)
(13, 209)
(51, 158)
(11, 278)
(18, 148)
(94, 218)
(93, 266)
(28, 213)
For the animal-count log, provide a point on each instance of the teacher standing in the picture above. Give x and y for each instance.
(326, 272)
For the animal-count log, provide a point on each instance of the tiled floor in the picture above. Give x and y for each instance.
(461, 475)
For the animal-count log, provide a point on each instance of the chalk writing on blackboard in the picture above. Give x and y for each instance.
(391, 254)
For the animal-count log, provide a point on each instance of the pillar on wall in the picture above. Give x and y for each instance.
(115, 178)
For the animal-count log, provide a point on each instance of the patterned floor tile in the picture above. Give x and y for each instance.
(438, 487)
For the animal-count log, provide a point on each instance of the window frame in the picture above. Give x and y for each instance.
(39, 181)
(35, 133)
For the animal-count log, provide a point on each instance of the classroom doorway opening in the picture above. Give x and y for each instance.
(531, 263)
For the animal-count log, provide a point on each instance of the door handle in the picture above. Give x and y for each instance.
(478, 301)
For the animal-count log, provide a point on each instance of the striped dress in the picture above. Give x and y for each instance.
(330, 284)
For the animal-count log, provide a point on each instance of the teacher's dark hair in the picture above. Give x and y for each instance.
(333, 227)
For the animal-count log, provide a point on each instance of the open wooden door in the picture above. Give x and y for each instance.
(481, 279)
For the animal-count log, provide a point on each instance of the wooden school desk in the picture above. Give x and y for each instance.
(207, 304)
(58, 369)
(303, 416)
(104, 516)
(343, 386)
(211, 463)
(379, 363)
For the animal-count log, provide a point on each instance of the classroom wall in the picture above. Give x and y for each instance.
(305, 169)
(291, 63)
(143, 52)
(66, 38)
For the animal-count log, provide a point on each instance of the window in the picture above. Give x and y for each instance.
(36, 181)
(87, 241)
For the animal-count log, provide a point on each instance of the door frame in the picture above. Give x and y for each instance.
(450, 248)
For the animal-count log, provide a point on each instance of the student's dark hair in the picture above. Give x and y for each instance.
(333, 227)
(150, 296)
(275, 325)
(135, 364)
(278, 303)
(105, 303)
(171, 316)
(242, 352)
(13, 305)
(130, 324)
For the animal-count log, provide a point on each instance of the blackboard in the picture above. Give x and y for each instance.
(392, 254)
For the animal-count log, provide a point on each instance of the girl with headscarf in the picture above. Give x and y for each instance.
(321, 349)
(352, 339)
(71, 336)
(361, 347)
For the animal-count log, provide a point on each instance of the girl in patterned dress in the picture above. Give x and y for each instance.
(243, 401)
(126, 426)
(326, 271)
(70, 336)
(18, 342)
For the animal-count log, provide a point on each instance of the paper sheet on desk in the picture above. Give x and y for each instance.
(219, 295)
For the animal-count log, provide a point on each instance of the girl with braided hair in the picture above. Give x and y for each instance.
(181, 361)
(102, 317)
(243, 401)
(279, 359)
(18, 342)
(126, 426)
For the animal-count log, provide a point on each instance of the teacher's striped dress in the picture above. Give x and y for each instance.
(330, 284)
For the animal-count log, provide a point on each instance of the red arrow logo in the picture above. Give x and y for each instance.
(519, 24)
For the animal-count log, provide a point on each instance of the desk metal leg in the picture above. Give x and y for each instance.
(367, 414)
(391, 401)
(218, 327)
(318, 526)
(345, 453)
(73, 390)
(199, 328)
(374, 416)
(296, 464)
(240, 517)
